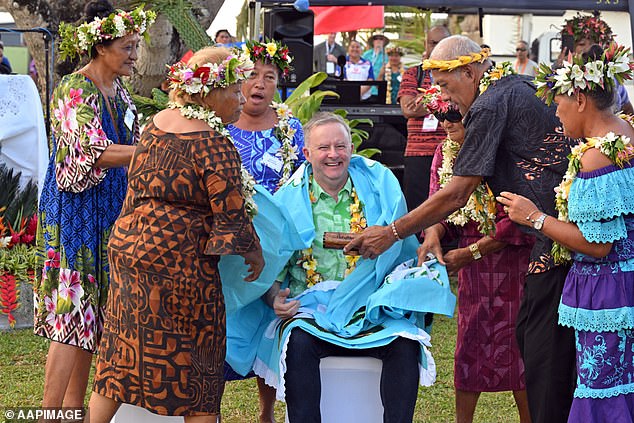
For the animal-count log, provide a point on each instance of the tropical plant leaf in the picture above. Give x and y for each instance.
(311, 82)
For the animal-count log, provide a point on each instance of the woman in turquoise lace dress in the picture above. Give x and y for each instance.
(595, 228)
(94, 128)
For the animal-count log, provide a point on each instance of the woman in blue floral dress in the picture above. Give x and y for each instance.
(267, 136)
(269, 140)
(94, 131)
(595, 228)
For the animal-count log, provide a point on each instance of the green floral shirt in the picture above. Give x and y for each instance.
(329, 215)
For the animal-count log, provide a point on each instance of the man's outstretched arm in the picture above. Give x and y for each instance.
(376, 239)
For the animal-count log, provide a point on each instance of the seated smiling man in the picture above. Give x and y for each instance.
(330, 304)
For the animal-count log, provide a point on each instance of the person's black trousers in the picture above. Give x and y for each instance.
(399, 378)
(547, 348)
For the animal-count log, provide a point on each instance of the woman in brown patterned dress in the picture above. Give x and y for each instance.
(163, 345)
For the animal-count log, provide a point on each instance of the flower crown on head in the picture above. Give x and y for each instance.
(201, 79)
(79, 40)
(575, 75)
(449, 65)
(588, 26)
(270, 52)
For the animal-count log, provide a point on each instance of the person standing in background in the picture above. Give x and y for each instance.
(325, 55)
(358, 69)
(423, 130)
(393, 72)
(523, 65)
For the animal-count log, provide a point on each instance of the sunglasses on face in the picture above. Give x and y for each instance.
(520, 49)
(453, 116)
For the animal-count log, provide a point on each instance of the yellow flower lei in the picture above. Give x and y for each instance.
(388, 78)
(481, 207)
(357, 224)
(449, 65)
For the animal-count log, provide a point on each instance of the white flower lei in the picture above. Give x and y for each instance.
(616, 147)
(285, 133)
(194, 111)
(388, 78)
(481, 207)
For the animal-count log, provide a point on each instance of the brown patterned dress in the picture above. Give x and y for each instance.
(163, 344)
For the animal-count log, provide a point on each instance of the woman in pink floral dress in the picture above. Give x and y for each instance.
(94, 128)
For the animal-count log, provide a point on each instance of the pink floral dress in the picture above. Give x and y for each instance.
(79, 204)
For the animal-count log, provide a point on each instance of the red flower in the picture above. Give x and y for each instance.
(202, 73)
(52, 258)
(31, 227)
(8, 296)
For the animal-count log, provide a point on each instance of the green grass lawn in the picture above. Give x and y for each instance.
(23, 355)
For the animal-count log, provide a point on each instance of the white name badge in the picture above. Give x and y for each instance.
(272, 162)
(330, 68)
(430, 123)
(129, 119)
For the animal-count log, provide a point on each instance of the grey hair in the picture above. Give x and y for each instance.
(451, 48)
(440, 28)
(324, 118)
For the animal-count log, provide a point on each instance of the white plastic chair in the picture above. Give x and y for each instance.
(350, 390)
(132, 414)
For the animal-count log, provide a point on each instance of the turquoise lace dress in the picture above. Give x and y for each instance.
(598, 297)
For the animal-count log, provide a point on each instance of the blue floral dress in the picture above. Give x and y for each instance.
(259, 152)
(78, 206)
(598, 297)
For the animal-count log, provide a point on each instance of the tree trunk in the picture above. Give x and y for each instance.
(165, 45)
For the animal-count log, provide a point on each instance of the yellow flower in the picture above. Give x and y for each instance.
(271, 48)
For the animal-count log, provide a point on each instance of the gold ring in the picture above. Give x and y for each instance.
(506, 209)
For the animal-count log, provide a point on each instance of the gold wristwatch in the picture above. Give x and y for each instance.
(475, 251)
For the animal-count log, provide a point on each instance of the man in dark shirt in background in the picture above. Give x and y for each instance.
(424, 132)
(513, 142)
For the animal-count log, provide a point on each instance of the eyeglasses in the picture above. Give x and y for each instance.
(453, 116)
(520, 49)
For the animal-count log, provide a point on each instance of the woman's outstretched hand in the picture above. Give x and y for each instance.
(520, 209)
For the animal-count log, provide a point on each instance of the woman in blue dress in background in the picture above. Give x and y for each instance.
(267, 136)
(94, 131)
(595, 228)
(269, 140)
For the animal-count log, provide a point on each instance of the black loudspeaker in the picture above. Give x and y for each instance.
(295, 29)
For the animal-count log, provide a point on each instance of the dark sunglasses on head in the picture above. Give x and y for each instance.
(520, 49)
(453, 116)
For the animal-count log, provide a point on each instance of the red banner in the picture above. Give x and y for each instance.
(347, 18)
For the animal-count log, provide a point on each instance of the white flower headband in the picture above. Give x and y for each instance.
(574, 75)
(79, 40)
